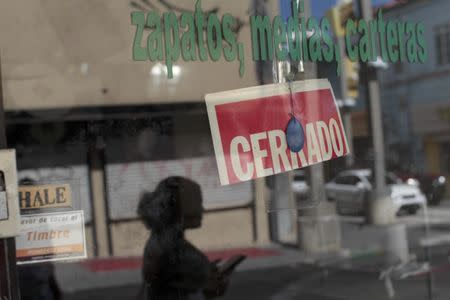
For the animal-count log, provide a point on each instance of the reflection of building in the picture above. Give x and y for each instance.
(80, 110)
(416, 97)
(360, 127)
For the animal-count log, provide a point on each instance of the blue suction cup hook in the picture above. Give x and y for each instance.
(295, 135)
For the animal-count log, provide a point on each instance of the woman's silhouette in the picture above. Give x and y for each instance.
(173, 267)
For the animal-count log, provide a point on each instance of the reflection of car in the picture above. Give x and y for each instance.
(300, 186)
(433, 186)
(351, 189)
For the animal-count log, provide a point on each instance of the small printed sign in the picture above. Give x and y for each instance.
(51, 237)
(266, 130)
(9, 206)
(45, 196)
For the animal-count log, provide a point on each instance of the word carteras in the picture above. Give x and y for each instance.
(396, 40)
(172, 37)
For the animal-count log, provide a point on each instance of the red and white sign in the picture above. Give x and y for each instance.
(248, 129)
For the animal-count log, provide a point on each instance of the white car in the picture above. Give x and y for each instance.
(351, 190)
(300, 186)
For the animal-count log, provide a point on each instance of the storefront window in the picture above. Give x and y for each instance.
(256, 149)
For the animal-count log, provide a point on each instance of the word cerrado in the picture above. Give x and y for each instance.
(324, 141)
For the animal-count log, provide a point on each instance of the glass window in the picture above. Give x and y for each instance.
(197, 150)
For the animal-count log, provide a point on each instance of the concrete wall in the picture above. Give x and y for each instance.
(62, 54)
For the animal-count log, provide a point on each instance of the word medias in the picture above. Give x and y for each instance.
(298, 39)
(45, 196)
(171, 37)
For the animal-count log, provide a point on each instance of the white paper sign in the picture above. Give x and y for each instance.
(50, 237)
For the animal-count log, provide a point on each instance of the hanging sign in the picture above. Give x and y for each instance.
(51, 237)
(270, 129)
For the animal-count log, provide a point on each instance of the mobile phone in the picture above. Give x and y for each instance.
(228, 267)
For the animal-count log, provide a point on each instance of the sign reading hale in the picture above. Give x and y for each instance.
(270, 129)
(45, 196)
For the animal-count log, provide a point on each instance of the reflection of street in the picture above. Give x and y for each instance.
(438, 216)
(293, 275)
(301, 282)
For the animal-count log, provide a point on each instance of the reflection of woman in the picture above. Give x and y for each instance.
(174, 268)
(38, 282)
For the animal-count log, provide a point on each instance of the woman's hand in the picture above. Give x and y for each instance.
(217, 283)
